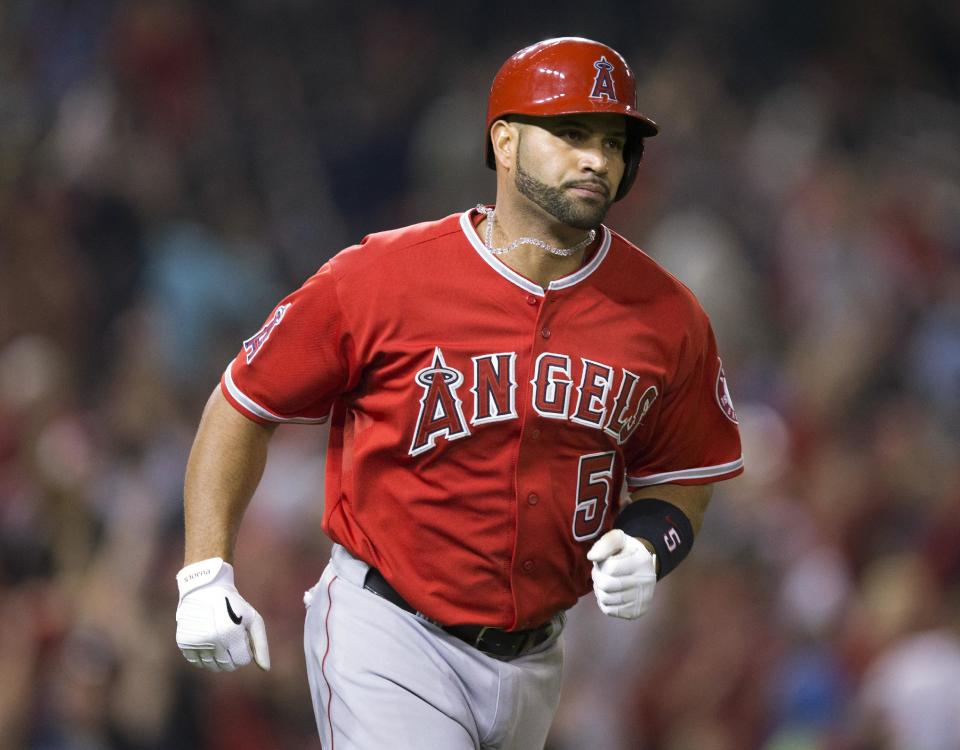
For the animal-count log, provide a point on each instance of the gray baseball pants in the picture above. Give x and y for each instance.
(384, 679)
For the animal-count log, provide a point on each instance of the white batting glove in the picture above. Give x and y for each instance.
(624, 575)
(216, 628)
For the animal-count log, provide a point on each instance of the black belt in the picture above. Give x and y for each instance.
(500, 644)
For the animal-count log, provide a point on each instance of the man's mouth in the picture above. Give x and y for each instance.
(590, 188)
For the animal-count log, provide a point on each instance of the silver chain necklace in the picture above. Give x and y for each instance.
(563, 252)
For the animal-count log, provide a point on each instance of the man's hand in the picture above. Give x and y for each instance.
(624, 574)
(216, 628)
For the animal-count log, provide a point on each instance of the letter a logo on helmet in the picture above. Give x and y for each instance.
(603, 83)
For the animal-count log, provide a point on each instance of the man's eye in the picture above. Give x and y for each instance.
(572, 135)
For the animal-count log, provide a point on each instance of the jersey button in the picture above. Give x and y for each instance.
(545, 332)
(533, 498)
(531, 300)
(535, 434)
(529, 565)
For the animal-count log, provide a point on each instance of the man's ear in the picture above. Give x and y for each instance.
(505, 136)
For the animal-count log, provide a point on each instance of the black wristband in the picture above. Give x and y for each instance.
(662, 524)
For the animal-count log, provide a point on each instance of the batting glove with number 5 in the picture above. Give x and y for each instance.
(216, 628)
(624, 574)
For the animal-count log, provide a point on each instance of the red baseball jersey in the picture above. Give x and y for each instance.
(482, 427)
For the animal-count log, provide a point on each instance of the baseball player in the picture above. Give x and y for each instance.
(522, 405)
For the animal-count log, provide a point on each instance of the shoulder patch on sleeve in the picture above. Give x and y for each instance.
(252, 345)
(723, 395)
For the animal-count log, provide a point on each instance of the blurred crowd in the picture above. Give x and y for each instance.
(169, 169)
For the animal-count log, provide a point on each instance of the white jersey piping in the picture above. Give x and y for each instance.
(466, 224)
(704, 472)
(254, 408)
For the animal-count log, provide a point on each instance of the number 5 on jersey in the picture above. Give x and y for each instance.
(594, 488)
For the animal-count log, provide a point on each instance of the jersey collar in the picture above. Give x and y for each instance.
(466, 224)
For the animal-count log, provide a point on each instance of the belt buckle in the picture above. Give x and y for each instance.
(479, 639)
(515, 650)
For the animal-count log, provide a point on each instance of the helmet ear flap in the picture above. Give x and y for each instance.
(632, 154)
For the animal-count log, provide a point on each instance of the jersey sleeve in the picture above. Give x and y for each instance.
(695, 439)
(293, 368)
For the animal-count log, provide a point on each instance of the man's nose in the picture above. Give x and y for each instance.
(594, 158)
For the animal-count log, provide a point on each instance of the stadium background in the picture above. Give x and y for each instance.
(168, 169)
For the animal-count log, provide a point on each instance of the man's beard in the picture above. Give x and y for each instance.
(556, 202)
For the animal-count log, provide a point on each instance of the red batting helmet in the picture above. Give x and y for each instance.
(567, 76)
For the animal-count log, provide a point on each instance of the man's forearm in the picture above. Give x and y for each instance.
(224, 469)
(690, 500)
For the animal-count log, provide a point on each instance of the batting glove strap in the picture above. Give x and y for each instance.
(199, 574)
(216, 628)
(662, 524)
